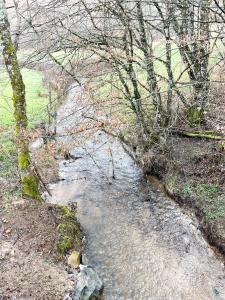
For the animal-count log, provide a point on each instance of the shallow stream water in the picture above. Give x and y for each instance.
(139, 241)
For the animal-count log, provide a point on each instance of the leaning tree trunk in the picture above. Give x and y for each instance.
(29, 180)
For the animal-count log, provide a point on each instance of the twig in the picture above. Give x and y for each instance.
(113, 166)
(40, 178)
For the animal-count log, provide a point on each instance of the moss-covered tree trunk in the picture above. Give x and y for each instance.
(201, 82)
(29, 180)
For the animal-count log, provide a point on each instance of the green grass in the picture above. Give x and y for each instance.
(207, 190)
(187, 189)
(37, 100)
(36, 97)
(7, 153)
(214, 200)
(216, 208)
(103, 83)
(159, 51)
(211, 197)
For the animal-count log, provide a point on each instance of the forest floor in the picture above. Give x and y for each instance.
(193, 173)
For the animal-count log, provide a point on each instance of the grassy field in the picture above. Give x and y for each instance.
(178, 67)
(37, 100)
(36, 96)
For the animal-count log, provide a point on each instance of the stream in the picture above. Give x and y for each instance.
(139, 241)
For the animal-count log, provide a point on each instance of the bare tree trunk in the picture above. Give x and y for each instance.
(29, 180)
(202, 86)
(148, 55)
(193, 32)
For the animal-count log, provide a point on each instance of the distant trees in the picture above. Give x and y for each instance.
(157, 55)
(29, 180)
(127, 38)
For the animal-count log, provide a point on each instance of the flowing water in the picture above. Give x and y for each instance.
(138, 239)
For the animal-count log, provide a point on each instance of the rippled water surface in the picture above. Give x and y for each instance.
(138, 239)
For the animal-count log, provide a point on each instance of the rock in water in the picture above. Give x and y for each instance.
(89, 285)
(74, 259)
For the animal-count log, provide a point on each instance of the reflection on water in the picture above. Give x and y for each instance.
(139, 241)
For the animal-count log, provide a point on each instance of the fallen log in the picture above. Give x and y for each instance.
(204, 134)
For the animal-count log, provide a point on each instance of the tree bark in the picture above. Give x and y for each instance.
(193, 32)
(29, 180)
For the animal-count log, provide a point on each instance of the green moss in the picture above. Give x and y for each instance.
(30, 186)
(23, 160)
(29, 180)
(65, 244)
(62, 228)
(194, 116)
(19, 116)
(70, 234)
(66, 211)
(203, 135)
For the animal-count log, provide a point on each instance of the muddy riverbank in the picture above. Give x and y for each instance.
(193, 175)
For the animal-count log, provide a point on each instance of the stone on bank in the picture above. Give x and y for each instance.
(89, 286)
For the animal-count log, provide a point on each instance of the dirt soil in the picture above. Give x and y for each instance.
(30, 264)
(193, 173)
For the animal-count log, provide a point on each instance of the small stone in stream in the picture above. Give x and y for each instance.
(74, 259)
(8, 231)
(67, 297)
(89, 285)
(85, 260)
(72, 277)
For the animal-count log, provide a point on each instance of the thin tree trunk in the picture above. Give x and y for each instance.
(148, 55)
(29, 180)
(194, 42)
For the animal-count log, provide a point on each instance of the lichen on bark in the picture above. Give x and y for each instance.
(30, 186)
(23, 157)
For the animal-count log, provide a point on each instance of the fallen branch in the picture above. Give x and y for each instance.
(40, 178)
(204, 134)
